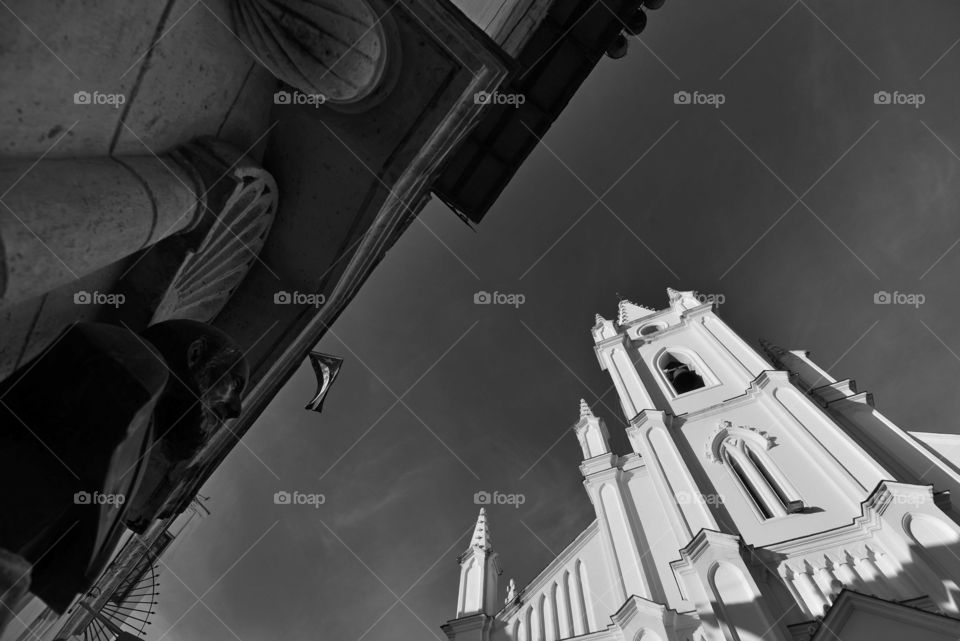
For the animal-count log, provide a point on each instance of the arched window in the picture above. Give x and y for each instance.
(749, 486)
(743, 451)
(790, 503)
(681, 372)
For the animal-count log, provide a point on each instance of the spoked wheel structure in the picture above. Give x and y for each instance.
(130, 607)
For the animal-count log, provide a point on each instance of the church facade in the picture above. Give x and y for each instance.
(763, 499)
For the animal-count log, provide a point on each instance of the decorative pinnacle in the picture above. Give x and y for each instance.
(598, 320)
(481, 533)
(585, 411)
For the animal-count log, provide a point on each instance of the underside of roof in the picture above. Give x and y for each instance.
(551, 66)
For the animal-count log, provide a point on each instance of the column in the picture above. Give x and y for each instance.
(62, 219)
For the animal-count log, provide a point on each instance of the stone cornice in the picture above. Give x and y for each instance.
(635, 605)
(697, 312)
(479, 621)
(652, 417)
(763, 380)
(591, 467)
(705, 540)
(606, 343)
(835, 391)
(859, 532)
(631, 462)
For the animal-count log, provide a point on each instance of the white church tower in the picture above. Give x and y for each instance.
(763, 499)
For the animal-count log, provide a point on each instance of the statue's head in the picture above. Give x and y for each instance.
(208, 369)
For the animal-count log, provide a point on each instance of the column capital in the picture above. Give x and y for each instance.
(337, 49)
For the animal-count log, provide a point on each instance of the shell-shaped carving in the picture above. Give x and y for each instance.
(208, 277)
(335, 48)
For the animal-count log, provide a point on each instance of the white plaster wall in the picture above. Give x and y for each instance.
(805, 468)
(663, 542)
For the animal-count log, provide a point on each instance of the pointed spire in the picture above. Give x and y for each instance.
(585, 411)
(591, 432)
(479, 570)
(628, 311)
(481, 532)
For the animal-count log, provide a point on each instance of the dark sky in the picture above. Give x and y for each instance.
(489, 393)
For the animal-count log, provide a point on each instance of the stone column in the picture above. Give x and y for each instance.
(63, 219)
(336, 50)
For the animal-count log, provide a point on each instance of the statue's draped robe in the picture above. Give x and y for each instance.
(76, 424)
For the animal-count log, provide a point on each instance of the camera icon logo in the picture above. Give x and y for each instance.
(482, 498)
(82, 498)
(81, 98)
(482, 298)
(281, 498)
(881, 98)
(82, 298)
(482, 98)
(681, 98)
(282, 98)
(882, 298)
(281, 298)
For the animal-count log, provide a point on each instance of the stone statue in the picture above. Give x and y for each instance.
(209, 374)
(511, 592)
(93, 431)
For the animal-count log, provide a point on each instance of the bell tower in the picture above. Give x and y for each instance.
(764, 471)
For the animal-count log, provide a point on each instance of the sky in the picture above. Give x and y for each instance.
(795, 202)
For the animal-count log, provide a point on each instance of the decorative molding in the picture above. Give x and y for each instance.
(726, 430)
